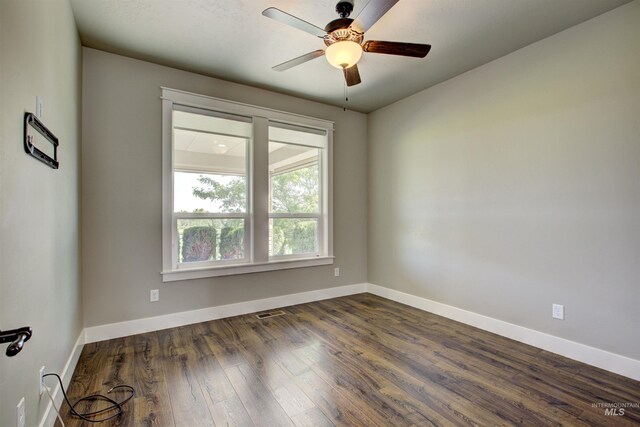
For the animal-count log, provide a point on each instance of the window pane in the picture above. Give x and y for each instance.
(200, 193)
(210, 239)
(210, 162)
(293, 236)
(294, 178)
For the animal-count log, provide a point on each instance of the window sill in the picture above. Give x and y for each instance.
(229, 270)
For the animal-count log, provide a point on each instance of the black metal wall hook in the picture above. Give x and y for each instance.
(17, 338)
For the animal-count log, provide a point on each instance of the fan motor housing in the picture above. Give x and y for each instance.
(343, 34)
(338, 24)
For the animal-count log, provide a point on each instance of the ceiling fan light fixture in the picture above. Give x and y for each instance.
(344, 54)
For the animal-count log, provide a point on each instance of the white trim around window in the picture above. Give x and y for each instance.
(257, 214)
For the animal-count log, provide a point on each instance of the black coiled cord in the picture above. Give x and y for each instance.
(86, 416)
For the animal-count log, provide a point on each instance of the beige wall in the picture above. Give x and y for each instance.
(39, 207)
(122, 195)
(517, 185)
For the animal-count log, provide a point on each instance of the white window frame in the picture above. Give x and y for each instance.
(257, 216)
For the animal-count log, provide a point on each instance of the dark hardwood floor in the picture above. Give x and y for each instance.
(359, 360)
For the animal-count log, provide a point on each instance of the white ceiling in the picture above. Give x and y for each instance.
(231, 40)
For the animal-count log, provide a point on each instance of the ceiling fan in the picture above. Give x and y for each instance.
(344, 38)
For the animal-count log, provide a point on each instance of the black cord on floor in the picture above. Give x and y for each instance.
(86, 416)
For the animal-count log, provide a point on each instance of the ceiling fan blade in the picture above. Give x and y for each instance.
(292, 21)
(299, 60)
(397, 48)
(373, 11)
(351, 75)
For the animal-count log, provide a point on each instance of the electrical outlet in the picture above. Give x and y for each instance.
(336, 271)
(20, 414)
(41, 380)
(558, 311)
(154, 295)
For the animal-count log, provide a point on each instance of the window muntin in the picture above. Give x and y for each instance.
(241, 224)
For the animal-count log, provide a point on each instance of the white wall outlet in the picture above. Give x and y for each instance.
(41, 376)
(154, 295)
(336, 271)
(38, 107)
(21, 420)
(558, 311)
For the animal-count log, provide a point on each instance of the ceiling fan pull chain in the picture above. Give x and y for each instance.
(346, 97)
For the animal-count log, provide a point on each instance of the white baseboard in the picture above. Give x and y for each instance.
(593, 356)
(138, 326)
(590, 355)
(49, 417)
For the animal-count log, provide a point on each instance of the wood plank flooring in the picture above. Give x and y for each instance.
(359, 360)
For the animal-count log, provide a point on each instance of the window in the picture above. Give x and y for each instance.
(295, 165)
(210, 214)
(245, 188)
